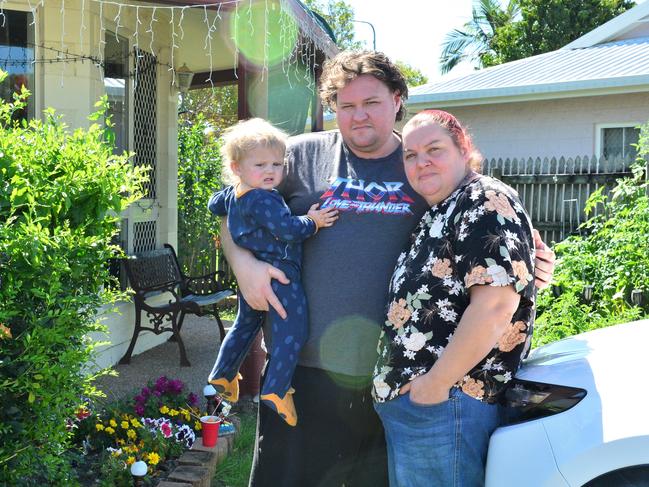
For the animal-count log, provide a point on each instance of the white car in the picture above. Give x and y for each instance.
(584, 402)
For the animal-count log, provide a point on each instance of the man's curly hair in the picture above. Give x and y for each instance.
(338, 71)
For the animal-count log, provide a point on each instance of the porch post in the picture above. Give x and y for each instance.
(243, 110)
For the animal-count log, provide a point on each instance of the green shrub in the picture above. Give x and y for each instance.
(199, 175)
(60, 196)
(612, 256)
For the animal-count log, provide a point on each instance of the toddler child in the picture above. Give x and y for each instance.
(260, 221)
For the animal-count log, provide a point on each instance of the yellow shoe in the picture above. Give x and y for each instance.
(229, 390)
(284, 406)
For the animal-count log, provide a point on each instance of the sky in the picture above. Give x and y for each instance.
(412, 30)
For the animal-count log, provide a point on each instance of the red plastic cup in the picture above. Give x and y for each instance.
(210, 427)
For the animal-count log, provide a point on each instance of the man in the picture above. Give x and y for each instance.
(338, 439)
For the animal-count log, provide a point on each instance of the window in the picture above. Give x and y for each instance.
(619, 142)
(16, 57)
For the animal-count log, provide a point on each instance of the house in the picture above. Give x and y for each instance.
(71, 52)
(584, 99)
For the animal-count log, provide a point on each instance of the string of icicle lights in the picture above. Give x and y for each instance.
(265, 32)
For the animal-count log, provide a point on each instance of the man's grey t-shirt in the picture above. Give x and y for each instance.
(346, 268)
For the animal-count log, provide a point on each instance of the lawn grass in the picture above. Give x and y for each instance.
(235, 469)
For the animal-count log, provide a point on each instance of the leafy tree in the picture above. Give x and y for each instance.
(339, 15)
(217, 106)
(523, 28)
(414, 77)
(549, 25)
(475, 42)
(199, 175)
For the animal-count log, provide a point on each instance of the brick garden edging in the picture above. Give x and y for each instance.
(196, 467)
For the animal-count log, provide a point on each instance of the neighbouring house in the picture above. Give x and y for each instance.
(558, 125)
(584, 99)
(71, 52)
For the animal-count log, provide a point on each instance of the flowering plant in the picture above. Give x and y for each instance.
(165, 397)
(116, 437)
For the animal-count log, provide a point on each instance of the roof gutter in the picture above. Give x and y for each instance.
(547, 91)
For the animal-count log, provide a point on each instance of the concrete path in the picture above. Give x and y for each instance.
(201, 339)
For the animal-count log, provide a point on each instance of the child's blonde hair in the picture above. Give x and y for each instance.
(245, 136)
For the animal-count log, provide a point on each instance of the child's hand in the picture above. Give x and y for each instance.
(323, 218)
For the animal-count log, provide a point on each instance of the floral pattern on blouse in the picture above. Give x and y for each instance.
(479, 235)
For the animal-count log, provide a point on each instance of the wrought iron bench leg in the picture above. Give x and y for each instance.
(177, 325)
(126, 359)
(219, 322)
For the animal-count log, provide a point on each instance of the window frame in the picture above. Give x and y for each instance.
(599, 133)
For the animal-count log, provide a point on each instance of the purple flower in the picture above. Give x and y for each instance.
(192, 399)
(157, 393)
(139, 399)
(146, 392)
(175, 386)
(161, 384)
(139, 410)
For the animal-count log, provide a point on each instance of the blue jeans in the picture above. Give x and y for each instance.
(440, 445)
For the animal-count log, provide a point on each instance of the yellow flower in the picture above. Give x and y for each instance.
(197, 425)
(164, 409)
(120, 441)
(125, 425)
(131, 434)
(173, 412)
(135, 423)
(130, 460)
(113, 423)
(185, 413)
(110, 430)
(5, 332)
(99, 426)
(154, 458)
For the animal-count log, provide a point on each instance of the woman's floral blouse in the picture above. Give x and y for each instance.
(479, 235)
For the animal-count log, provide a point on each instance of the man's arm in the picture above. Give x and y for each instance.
(253, 276)
(544, 263)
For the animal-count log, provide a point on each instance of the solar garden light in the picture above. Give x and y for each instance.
(637, 297)
(587, 293)
(210, 395)
(138, 471)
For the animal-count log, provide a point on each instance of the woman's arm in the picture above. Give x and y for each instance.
(253, 276)
(483, 323)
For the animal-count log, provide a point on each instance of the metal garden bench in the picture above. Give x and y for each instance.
(156, 272)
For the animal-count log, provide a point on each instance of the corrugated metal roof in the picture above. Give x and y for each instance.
(611, 65)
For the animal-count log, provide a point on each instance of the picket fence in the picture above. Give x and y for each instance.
(554, 190)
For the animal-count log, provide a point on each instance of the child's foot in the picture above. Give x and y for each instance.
(229, 390)
(284, 406)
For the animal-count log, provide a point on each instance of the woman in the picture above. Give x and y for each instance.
(460, 312)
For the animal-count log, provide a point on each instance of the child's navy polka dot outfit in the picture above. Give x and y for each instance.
(260, 221)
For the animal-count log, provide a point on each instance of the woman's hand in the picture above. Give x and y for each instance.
(423, 391)
(544, 263)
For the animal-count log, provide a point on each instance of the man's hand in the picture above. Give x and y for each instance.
(544, 263)
(255, 286)
(253, 276)
(322, 218)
